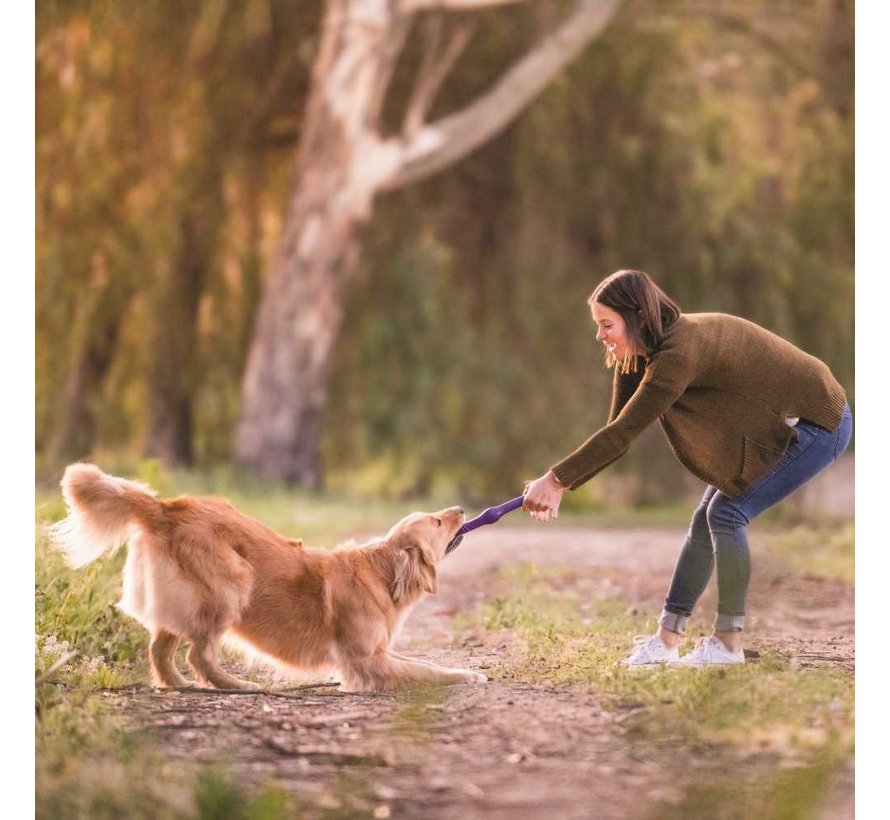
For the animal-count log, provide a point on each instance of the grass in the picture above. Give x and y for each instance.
(560, 640)
(804, 719)
(88, 766)
(824, 552)
(791, 794)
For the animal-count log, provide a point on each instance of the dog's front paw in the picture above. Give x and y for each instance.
(476, 677)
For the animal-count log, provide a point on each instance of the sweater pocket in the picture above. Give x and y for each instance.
(757, 459)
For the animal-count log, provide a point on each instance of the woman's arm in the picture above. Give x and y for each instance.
(666, 377)
(612, 441)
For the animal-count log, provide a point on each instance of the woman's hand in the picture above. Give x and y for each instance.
(542, 496)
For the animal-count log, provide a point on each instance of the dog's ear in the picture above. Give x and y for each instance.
(412, 570)
(427, 569)
(406, 577)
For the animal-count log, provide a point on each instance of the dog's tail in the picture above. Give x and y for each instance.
(101, 511)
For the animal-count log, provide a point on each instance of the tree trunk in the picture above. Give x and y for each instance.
(251, 261)
(339, 167)
(343, 162)
(98, 328)
(285, 388)
(173, 368)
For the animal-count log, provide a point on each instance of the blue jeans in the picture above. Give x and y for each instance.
(719, 535)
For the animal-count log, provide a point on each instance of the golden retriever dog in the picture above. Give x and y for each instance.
(197, 570)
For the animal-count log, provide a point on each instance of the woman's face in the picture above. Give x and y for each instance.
(611, 330)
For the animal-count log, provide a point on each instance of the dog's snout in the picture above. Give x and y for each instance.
(460, 511)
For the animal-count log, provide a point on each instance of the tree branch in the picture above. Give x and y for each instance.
(443, 143)
(401, 27)
(437, 62)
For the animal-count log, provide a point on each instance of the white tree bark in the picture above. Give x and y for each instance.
(343, 162)
(443, 143)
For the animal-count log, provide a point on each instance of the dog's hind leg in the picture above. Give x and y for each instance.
(161, 653)
(202, 657)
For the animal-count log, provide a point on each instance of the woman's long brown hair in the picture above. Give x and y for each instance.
(646, 309)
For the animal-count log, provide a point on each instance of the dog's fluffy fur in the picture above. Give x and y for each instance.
(198, 570)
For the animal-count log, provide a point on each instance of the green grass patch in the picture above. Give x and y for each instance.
(558, 639)
(220, 796)
(792, 794)
(825, 551)
(767, 708)
(87, 764)
(76, 608)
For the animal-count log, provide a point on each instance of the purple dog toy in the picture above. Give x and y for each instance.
(488, 516)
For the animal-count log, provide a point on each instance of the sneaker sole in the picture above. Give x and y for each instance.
(681, 665)
(659, 665)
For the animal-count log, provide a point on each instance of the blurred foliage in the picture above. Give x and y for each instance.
(710, 144)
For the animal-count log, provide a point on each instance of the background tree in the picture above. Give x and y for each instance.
(680, 145)
(345, 160)
(155, 126)
(708, 143)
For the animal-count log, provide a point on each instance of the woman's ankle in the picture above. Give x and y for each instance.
(668, 638)
(731, 640)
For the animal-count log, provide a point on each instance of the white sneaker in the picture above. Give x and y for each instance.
(650, 652)
(709, 651)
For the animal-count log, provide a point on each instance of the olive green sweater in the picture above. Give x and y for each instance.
(722, 388)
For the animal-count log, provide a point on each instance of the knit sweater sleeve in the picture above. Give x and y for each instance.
(666, 377)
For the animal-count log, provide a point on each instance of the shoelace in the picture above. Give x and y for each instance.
(705, 648)
(642, 641)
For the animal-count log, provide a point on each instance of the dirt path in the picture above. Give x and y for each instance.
(496, 750)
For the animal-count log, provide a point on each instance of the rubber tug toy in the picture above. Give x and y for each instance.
(489, 516)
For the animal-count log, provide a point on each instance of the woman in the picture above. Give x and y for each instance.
(747, 412)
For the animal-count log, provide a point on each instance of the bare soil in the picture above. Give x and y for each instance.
(499, 749)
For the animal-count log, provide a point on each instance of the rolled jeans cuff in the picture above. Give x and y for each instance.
(673, 622)
(729, 623)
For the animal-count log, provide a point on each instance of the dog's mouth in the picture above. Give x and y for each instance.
(454, 543)
(458, 534)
